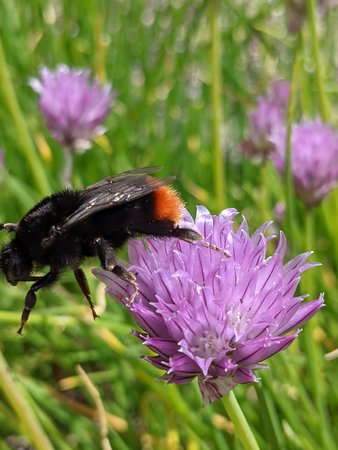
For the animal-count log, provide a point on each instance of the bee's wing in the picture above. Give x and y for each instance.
(115, 179)
(114, 191)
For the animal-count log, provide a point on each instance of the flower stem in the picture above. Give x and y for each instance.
(216, 104)
(24, 139)
(264, 197)
(323, 99)
(66, 175)
(19, 404)
(269, 418)
(289, 191)
(314, 356)
(323, 103)
(310, 344)
(241, 425)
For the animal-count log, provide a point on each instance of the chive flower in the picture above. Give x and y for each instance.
(73, 105)
(268, 115)
(314, 160)
(212, 315)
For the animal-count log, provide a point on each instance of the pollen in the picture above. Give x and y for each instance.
(168, 205)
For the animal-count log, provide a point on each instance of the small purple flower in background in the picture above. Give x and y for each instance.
(314, 148)
(74, 107)
(279, 212)
(296, 12)
(269, 115)
(208, 315)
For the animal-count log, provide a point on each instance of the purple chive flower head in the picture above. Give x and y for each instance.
(74, 107)
(269, 115)
(212, 316)
(314, 147)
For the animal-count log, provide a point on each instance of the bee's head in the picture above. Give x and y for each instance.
(14, 264)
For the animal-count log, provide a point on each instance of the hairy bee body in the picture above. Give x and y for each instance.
(64, 229)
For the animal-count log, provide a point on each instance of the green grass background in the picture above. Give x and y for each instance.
(186, 74)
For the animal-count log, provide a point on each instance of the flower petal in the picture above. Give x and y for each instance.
(209, 315)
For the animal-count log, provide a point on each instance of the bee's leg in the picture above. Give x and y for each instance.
(165, 228)
(192, 236)
(82, 282)
(31, 278)
(30, 299)
(108, 261)
(9, 227)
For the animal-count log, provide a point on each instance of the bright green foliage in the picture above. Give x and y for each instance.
(158, 56)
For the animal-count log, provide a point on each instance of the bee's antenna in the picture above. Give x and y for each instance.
(9, 227)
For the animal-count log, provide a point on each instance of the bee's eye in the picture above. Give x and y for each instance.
(14, 265)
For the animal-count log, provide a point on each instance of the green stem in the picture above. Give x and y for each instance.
(269, 417)
(289, 191)
(23, 136)
(66, 175)
(329, 206)
(311, 348)
(216, 104)
(305, 88)
(323, 103)
(264, 197)
(26, 415)
(238, 419)
(314, 356)
(323, 100)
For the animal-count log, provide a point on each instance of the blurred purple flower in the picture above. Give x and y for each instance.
(73, 106)
(314, 147)
(279, 212)
(296, 11)
(269, 115)
(210, 316)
